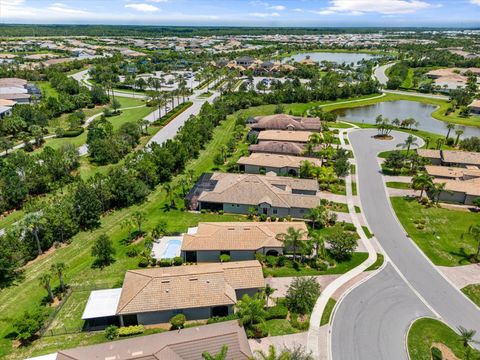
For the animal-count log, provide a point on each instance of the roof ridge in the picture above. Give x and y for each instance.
(133, 297)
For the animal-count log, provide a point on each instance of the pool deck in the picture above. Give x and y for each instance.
(160, 246)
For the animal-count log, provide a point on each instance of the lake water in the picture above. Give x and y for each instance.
(335, 57)
(403, 109)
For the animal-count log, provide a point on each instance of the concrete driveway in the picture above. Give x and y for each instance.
(416, 274)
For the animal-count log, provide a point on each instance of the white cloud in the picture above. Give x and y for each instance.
(298, 10)
(358, 7)
(267, 6)
(475, 2)
(143, 7)
(65, 9)
(157, 1)
(277, 7)
(264, 15)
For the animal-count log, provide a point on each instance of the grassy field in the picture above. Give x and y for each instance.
(278, 327)
(424, 332)
(47, 89)
(327, 312)
(438, 232)
(397, 185)
(377, 264)
(78, 259)
(473, 292)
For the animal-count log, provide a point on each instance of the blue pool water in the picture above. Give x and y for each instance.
(172, 249)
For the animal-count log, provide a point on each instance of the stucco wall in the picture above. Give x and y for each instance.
(164, 316)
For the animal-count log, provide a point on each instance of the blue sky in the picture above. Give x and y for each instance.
(458, 13)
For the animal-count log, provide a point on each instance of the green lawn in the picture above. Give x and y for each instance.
(376, 265)
(473, 292)
(70, 315)
(78, 259)
(441, 236)
(408, 82)
(278, 327)
(341, 268)
(397, 185)
(424, 332)
(367, 232)
(327, 312)
(47, 89)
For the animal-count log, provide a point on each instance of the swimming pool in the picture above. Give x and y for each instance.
(172, 249)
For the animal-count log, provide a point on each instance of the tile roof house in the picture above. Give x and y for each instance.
(153, 296)
(451, 157)
(286, 122)
(453, 173)
(284, 135)
(183, 344)
(240, 240)
(269, 195)
(464, 192)
(475, 106)
(280, 164)
(278, 147)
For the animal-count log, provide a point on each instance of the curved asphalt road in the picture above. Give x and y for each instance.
(371, 322)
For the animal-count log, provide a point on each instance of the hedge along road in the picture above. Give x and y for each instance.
(371, 322)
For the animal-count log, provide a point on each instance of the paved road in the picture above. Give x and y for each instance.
(440, 295)
(370, 323)
(379, 73)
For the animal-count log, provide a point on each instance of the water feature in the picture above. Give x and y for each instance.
(403, 109)
(172, 249)
(335, 57)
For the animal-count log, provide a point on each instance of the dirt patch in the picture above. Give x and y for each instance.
(383, 137)
(45, 254)
(446, 352)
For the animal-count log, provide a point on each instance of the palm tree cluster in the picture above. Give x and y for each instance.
(385, 125)
(424, 182)
(57, 269)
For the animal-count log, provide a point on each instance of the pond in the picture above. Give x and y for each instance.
(335, 57)
(403, 109)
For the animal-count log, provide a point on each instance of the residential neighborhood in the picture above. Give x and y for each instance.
(240, 180)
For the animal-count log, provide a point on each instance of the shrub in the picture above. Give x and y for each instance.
(319, 265)
(111, 332)
(281, 260)
(132, 252)
(220, 212)
(273, 218)
(28, 325)
(263, 217)
(271, 261)
(178, 321)
(224, 258)
(177, 261)
(217, 319)
(72, 132)
(277, 312)
(349, 227)
(203, 211)
(281, 219)
(436, 353)
(131, 330)
(165, 262)
(257, 331)
(297, 322)
(143, 262)
(260, 257)
(302, 294)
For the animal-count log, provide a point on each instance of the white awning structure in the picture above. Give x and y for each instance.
(102, 303)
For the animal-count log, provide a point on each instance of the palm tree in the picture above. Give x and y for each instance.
(466, 337)
(170, 192)
(251, 310)
(222, 355)
(315, 138)
(34, 223)
(293, 238)
(59, 268)
(139, 217)
(317, 215)
(427, 141)
(306, 169)
(272, 354)
(422, 182)
(449, 127)
(474, 233)
(45, 282)
(268, 291)
(409, 142)
(459, 133)
(436, 190)
(309, 148)
(318, 243)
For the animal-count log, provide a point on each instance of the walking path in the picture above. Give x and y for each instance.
(462, 276)
(316, 336)
(279, 342)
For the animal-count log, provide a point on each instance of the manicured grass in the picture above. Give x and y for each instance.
(327, 312)
(367, 232)
(357, 209)
(47, 89)
(441, 238)
(473, 292)
(397, 185)
(376, 265)
(205, 95)
(354, 188)
(353, 169)
(408, 82)
(339, 125)
(76, 255)
(341, 268)
(424, 332)
(278, 327)
(70, 315)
